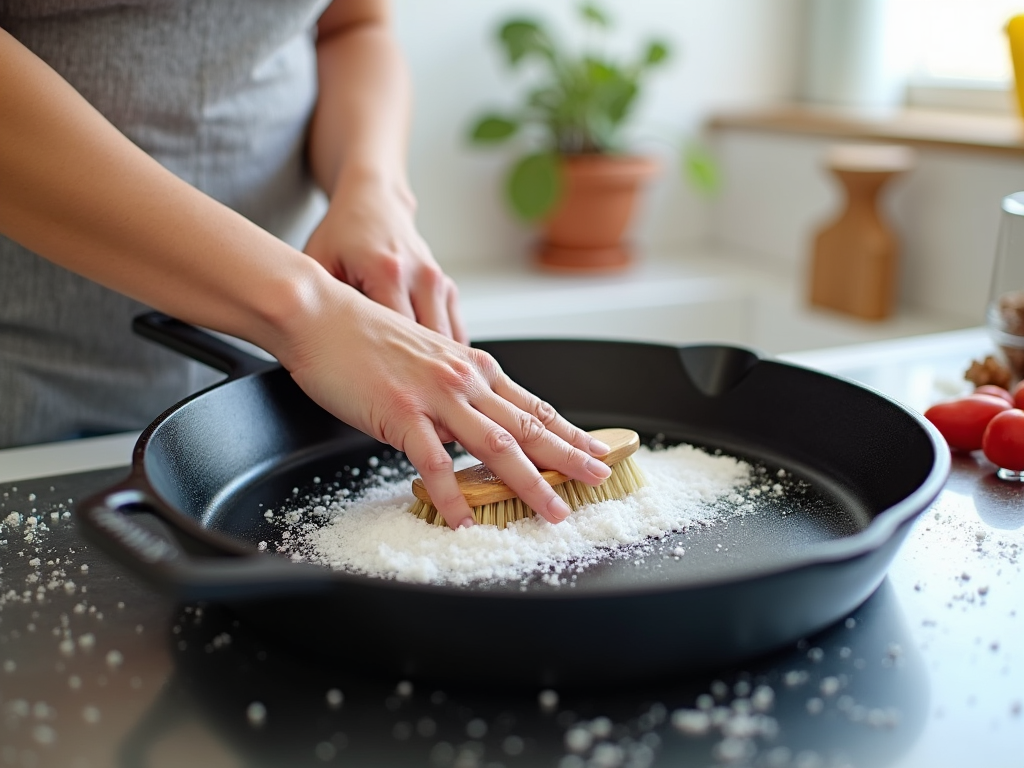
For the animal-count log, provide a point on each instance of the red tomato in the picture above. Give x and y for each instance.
(962, 422)
(992, 389)
(1018, 395)
(1003, 441)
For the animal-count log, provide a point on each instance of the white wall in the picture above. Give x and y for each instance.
(946, 212)
(727, 53)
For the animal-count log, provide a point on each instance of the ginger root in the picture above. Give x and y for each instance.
(988, 371)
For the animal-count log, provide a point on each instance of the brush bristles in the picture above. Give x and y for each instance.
(626, 478)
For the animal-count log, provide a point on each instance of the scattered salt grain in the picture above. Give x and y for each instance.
(91, 715)
(762, 698)
(719, 689)
(476, 728)
(114, 659)
(795, 677)
(334, 698)
(256, 714)
(600, 727)
(548, 700)
(513, 745)
(607, 756)
(404, 689)
(693, 722)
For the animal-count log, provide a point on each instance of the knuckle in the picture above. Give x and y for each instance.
(499, 441)
(530, 428)
(457, 374)
(439, 462)
(393, 413)
(389, 266)
(545, 412)
(431, 277)
(486, 364)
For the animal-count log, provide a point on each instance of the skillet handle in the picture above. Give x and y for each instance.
(134, 527)
(200, 345)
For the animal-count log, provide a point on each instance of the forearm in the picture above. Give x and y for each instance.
(76, 191)
(360, 125)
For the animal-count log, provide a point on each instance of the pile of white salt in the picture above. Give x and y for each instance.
(374, 534)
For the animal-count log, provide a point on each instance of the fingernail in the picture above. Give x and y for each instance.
(558, 510)
(467, 522)
(598, 448)
(598, 468)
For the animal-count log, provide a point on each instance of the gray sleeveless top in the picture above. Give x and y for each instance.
(218, 91)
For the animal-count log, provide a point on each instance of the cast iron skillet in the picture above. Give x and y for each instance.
(860, 466)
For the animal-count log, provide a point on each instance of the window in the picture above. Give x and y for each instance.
(956, 52)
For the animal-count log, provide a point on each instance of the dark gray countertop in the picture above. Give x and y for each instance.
(928, 672)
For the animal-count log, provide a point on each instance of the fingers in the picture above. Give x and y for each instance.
(427, 454)
(498, 449)
(455, 315)
(429, 294)
(526, 401)
(383, 282)
(421, 292)
(544, 448)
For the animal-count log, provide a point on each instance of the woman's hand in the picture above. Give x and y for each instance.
(369, 240)
(416, 389)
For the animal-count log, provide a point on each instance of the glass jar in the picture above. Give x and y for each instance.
(1005, 316)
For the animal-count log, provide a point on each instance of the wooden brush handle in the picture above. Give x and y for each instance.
(480, 486)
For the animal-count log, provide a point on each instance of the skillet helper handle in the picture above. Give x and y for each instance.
(135, 528)
(200, 345)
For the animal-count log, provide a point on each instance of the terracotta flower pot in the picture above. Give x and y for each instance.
(586, 231)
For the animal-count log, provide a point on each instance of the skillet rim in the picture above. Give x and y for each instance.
(880, 531)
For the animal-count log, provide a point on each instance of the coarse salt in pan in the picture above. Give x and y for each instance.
(374, 534)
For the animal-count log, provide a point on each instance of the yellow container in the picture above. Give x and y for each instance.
(1015, 31)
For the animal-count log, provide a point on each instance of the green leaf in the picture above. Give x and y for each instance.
(657, 52)
(590, 12)
(701, 170)
(534, 185)
(492, 129)
(522, 37)
(598, 71)
(620, 98)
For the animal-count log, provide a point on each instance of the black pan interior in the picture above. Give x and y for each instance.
(850, 454)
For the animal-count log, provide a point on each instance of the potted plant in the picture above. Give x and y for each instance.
(574, 177)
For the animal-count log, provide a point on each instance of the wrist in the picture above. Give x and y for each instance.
(302, 293)
(373, 180)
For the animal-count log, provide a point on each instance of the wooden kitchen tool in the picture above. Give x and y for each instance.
(494, 503)
(855, 257)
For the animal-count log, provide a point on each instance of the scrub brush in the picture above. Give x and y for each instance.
(494, 503)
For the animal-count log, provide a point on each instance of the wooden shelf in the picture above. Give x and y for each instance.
(1003, 134)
